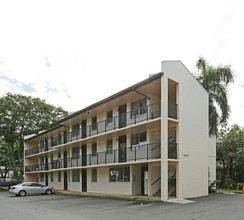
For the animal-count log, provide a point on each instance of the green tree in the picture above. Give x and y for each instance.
(4, 160)
(21, 116)
(230, 154)
(215, 80)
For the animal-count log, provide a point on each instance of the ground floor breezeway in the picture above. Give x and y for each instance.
(141, 179)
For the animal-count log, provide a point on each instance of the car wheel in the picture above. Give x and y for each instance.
(22, 193)
(48, 191)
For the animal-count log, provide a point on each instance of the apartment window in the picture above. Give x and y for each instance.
(94, 149)
(42, 160)
(42, 145)
(52, 164)
(139, 107)
(139, 141)
(51, 176)
(75, 130)
(59, 139)
(65, 137)
(94, 175)
(119, 174)
(75, 175)
(42, 177)
(59, 176)
(109, 146)
(75, 153)
(53, 142)
(109, 117)
(94, 123)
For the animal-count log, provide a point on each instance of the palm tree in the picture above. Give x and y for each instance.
(215, 80)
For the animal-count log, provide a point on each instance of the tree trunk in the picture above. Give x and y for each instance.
(223, 176)
(20, 159)
(13, 160)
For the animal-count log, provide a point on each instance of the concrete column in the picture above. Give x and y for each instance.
(164, 138)
(131, 179)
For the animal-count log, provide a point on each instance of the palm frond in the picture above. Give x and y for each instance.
(215, 81)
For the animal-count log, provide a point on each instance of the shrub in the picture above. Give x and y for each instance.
(239, 186)
(212, 186)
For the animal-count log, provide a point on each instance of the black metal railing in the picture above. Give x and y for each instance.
(172, 186)
(145, 113)
(38, 149)
(133, 153)
(172, 110)
(156, 181)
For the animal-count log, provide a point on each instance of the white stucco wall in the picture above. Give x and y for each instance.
(193, 130)
(136, 179)
(155, 174)
(104, 186)
(212, 158)
(55, 183)
(75, 186)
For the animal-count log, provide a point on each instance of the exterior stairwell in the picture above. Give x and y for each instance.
(172, 147)
(171, 184)
(158, 193)
(157, 183)
(172, 154)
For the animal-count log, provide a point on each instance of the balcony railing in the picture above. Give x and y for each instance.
(38, 149)
(172, 110)
(133, 153)
(145, 113)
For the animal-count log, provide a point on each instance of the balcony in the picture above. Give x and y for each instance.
(38, 149)
(145, 113)
(133, 153)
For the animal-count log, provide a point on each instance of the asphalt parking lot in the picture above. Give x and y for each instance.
(216, 206)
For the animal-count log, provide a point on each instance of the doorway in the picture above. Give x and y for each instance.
(46, 179)
(83, 127)
(84, 180)
(122, 149)
(144, 170)
(83, 151)
(65, 180)
(46, 162)
(122, 116)
(65, 159)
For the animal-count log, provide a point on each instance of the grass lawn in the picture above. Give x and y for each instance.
(113, 197)
(227, 190)
(3, 188)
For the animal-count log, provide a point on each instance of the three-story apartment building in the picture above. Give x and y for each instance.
(149, 139)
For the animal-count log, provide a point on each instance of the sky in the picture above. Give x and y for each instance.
(74, 53)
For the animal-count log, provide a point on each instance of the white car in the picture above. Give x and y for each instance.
(30, 188)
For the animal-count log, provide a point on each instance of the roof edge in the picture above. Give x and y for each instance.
(116, 95)
(42, 132)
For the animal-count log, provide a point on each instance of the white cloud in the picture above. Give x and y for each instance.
(74, 53)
